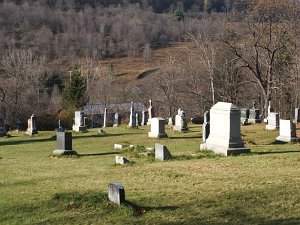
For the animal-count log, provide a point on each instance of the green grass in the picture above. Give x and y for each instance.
(193, 187)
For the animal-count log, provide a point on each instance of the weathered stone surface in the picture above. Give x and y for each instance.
(161, 152)
(287, 131)
(64, 144)
(225, 136)
(157, 128)
(118, 146)
(116, 193)
(273, 121)
(132, 117)
(254, 116)
(297, 115)
(32, 129)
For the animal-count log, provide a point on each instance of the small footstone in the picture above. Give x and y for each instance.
(116, 193)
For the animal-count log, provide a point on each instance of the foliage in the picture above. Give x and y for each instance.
(73, 96)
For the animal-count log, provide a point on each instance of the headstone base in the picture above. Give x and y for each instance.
(64, 152)
(155, 135)
(180, 129)
(80, 128)
(271, 127)
(287, 139)
(224, 150)
(115, 125)
(253, 121)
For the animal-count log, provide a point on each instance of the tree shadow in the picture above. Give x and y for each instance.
(28, 141)
(96, 154)
(192, 137)
(102, 135)
(275, 152)
(276, 142)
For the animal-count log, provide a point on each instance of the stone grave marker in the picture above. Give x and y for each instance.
(79, 122)
(64, 144)
(273, 121)
(161, 152)
(244, 116)
(157, 128)
(121, 160)
(297, 115)
(225, 135)
(180, 121)
(254, 116)
(132, 117)
(32, 125)
(116, 193)
(144, 118)
(205, 127)
(287, 131)
(150, 112)
(105, 118)
(116, 120)
(2, 129)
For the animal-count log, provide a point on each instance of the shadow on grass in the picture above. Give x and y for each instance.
(28, 141)
(275, 152)
(192, 137)
(276, 142)
(102, 135)
(101, 153)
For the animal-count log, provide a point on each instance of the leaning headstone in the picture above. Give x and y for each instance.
(287, 131)
(144, 118)
(273, 121)
(225, 134)
(132, 117)
(121, 160)
(64, 144)
(180, 121)
(206, 126)
(297, 115)
(150, 112)
(31, 125)
(157, 128)
(162, 152)
(105, 117)
(2, 129)
(116, 193)
(79, 122)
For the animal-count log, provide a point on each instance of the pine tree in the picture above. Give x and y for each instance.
(73, 96)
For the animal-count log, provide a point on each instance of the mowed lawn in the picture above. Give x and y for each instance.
(192, 188)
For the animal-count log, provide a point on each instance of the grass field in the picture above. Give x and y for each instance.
(192, 188)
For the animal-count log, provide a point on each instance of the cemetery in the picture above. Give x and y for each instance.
(234, 174)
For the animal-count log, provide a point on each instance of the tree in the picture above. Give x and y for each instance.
(264, 45)
(73, 96)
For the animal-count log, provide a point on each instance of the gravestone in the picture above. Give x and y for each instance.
(116, 193)
(132, 117)
(19, 126)
(118, 146)
(64, 144)
(150, 112)
(254, 114)
(170, 121)
(161, 152)
(105, 117)
(137, 119)
(273, 121)
(205, 127)
(180, 121)
(121, 160)
(225, 135)
(116, 120)
(79, 122)
(31, 125)
(297, 115)
(287, 131)
(2, 129)
(60, 127)
(144, 118)
(157, 128)
(244, 115)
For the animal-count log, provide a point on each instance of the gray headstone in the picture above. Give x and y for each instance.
(32, 125)
(144, 118)
(116, 193)
(180, 121)
(245, 114)
(161, 152)
(254, 116)
(19, 125)
(63, 144)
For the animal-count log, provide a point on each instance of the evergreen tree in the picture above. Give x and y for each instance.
(73, 96)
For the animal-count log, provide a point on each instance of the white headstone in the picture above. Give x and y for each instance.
(79, 122)
(161, 152)
(105, 117)
(132, 117)
(118, 146)
(32, 125)
(121, 160)
(180, 121)
(157, 128)
(116, 193)
(170, 121)
(150, 112)
(287, 131)
(225, 135)
(273, 121)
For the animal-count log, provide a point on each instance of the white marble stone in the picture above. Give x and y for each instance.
(273, 121)
(79, 122)
(157, 128)
(225, 135)
(287, 131)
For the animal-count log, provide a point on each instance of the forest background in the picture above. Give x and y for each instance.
(58, 55)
